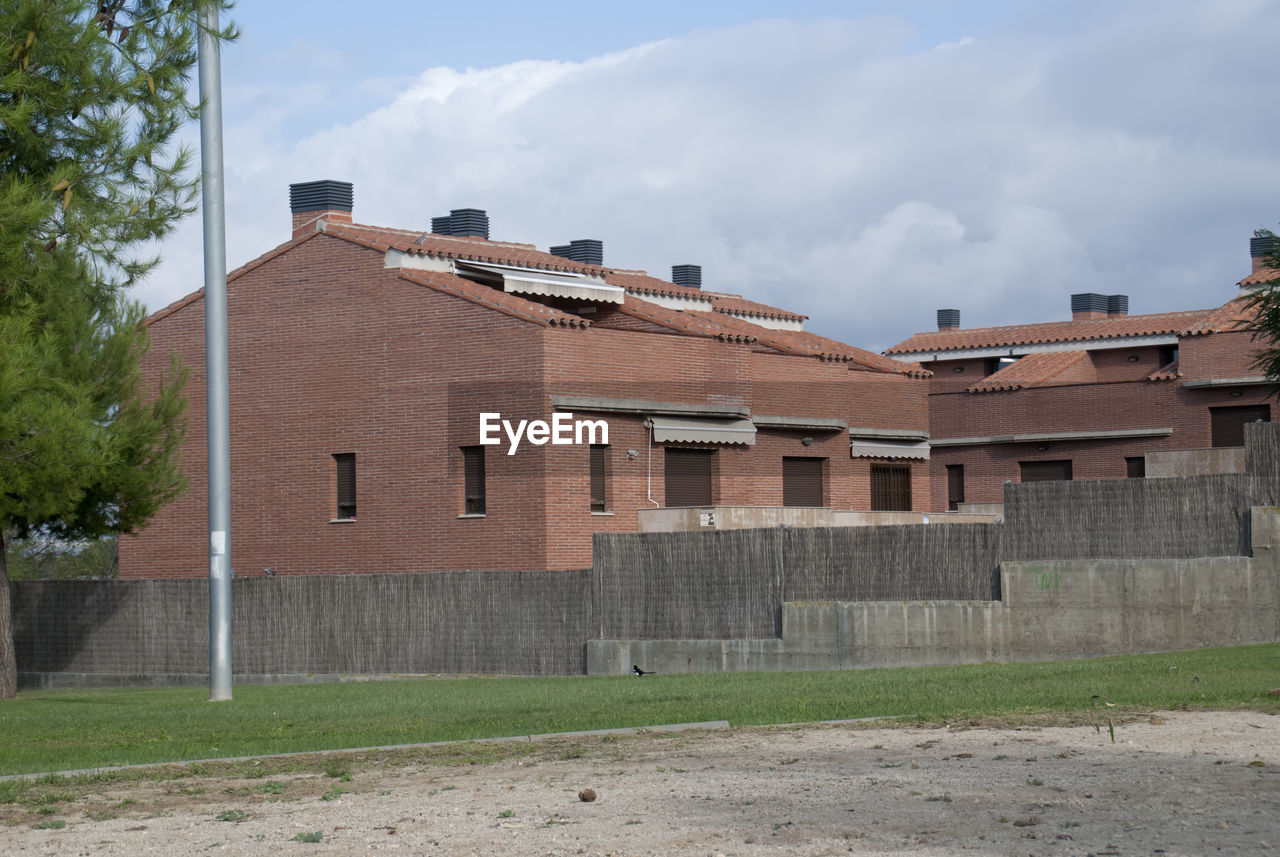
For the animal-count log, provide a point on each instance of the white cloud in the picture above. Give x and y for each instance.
(827, 166)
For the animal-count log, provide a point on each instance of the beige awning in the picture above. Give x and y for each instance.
(883, 448)
(531, 281)
(688, 430)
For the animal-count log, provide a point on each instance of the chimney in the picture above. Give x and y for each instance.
(1117, 305)
(463, 222)
(311, 202)
(689, 276)
(588, 251)
(1088, 305)
(1263, 247)
(948, 319)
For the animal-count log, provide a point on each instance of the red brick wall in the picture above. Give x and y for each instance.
(332, 353)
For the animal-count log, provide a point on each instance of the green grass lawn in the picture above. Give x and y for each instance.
(53, 730)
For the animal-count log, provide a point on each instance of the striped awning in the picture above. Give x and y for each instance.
(689, 430)
(884, 448)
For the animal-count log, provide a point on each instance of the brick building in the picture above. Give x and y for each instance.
(1105, 395)
(362, 360)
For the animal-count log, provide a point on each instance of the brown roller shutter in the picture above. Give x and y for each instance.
(802, 481)
(345, 463)
(688, 476)
(955, 486)
(1226, 425)
(890, 488)
(473, 480)
(1044, 471)
(599, 502)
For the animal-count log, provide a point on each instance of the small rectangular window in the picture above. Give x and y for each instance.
(1226, 425)
(1044, 471)
(1135, 467)
(891, 488)
(802, 481)
(955, 486)
(687, 476)
(473, 502)
(345, 467)
(1168, 354)
(599, 475)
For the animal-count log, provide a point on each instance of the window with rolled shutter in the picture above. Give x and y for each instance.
(802, 481)
(1044, 471)
(1226, 425)
(345, 466)
(599, 493)
(473, 495)
(687, 475)
(891, 488)
(955, 486)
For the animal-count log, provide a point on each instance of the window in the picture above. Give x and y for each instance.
(891, 488)
(1168, 354)
(1044, 471)
(1135, 467)
(688, 476)
(955, 486)
(802, 481)
(1226, 425)
(473, 499)
(345, 467)
(599, 475)
(995, 364)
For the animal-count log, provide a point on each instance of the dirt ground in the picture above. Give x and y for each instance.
(1177, 783)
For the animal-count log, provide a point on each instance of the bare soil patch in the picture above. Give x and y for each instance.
(1176, 783)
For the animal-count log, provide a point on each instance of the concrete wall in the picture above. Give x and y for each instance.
(1195, 462)
(1051, 610)
(682, 520)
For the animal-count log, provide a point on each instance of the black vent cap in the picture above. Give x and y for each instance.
(948, 318)
(468, 222)
(1088, 302)
(687, 275)
(1118, 305)
(324, 195)
(1263, 244)
(586, 251)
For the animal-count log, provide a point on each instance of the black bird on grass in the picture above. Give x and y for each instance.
(639, 672)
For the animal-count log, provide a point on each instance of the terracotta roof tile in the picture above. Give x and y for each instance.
(641, 282)
(474, 249)
(1260, 277)
(734, 303)
(512, 305)
(1191, 323)
(805, 344)
(1166, 373)
(1030, 371)
(692, 323)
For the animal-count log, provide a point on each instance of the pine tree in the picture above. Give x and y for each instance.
(1264, 313)
(92, 95)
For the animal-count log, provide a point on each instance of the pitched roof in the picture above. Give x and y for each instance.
(1260, 277)
(1190, 323)
(1033, 370)
(1170, 372)
(692, 323)
(728, 304)
(470, 248)
(504, 302)
(805, 344)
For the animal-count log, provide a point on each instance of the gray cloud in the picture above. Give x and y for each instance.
(829, 167)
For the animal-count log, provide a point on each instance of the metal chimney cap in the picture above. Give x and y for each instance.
(323, 195)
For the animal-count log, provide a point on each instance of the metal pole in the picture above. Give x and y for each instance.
(215, 349)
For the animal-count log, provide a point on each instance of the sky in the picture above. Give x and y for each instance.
(862, 163)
